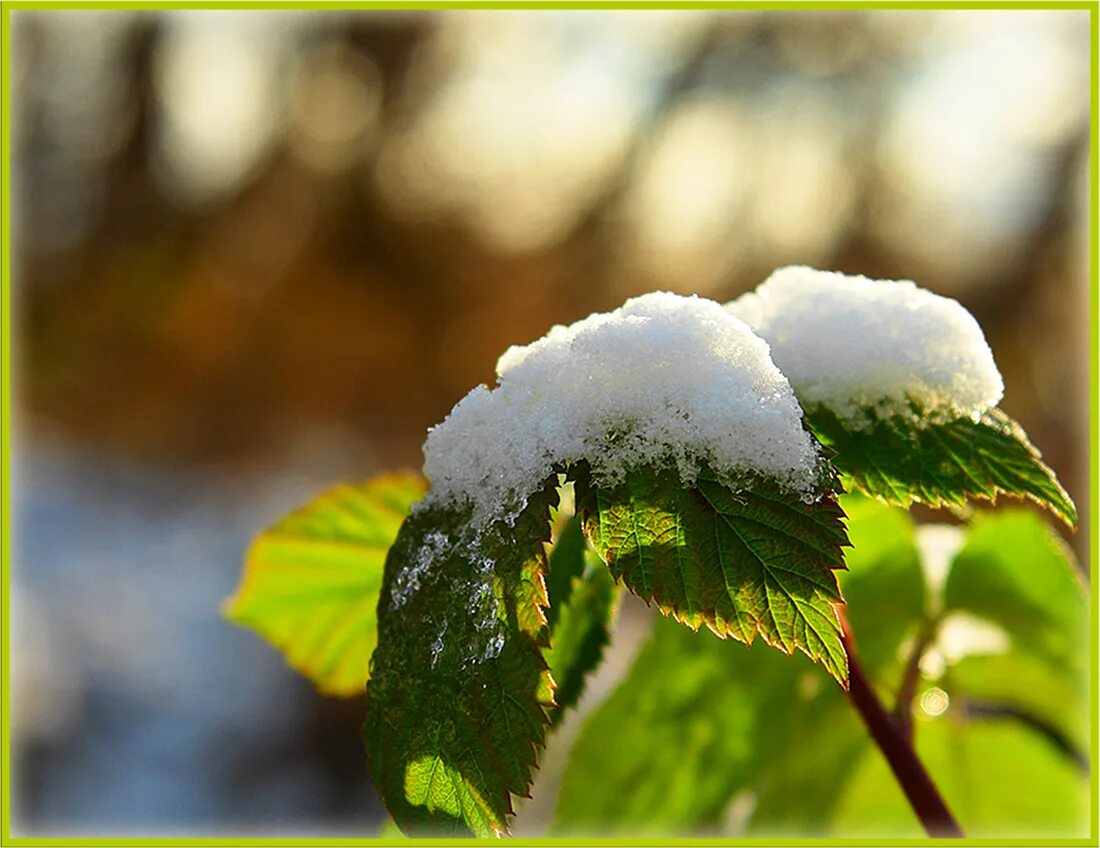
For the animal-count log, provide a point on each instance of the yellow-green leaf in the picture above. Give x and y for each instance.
(311, 580)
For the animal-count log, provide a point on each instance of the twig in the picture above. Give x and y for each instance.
(907, 691)
(915, 782)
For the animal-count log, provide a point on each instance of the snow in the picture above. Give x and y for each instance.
(407, 582)
(852, 344)
(663, 380)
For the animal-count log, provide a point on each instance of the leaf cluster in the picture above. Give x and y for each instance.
(472, 638)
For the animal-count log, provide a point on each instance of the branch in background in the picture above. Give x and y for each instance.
(979, 709)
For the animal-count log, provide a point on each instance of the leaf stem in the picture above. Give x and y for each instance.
(915, 782)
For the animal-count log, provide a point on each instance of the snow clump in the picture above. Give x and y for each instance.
(663, 380)
(852, 344)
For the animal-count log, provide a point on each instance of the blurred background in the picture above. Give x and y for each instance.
(255, 253)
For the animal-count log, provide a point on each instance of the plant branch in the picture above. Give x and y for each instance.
(915, 782)
(907, 691)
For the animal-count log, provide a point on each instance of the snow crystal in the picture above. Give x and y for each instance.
(439, 644)
(407, 581)
(853, 344)
(663, 379)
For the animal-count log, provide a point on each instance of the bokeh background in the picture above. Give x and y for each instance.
(258, 252)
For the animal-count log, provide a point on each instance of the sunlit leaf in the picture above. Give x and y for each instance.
(311, 581)
(942, 463)
(459, 690)
(755, 560)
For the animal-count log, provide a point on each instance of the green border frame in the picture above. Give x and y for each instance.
(6, 8)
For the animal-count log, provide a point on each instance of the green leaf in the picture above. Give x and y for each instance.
(700, 725)
(582, 623)
(1015, 572)
(459, 690)
(942, 463)
(756, 560)
(667, 749)
(311, 580)
(566, 563)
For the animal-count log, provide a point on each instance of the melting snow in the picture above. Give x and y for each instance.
(407, 581)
